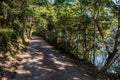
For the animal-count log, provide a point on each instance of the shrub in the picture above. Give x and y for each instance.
(7, 36)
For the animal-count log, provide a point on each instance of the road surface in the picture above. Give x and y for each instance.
(42, 62)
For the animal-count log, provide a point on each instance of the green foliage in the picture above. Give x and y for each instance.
(16, 22)
(81, 27)
(7, 36)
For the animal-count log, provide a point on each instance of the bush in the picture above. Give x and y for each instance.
(6, 33)
(7, 36)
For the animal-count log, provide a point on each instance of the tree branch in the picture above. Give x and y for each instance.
(102, 36)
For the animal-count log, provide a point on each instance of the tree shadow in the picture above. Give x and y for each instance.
(6, 74)
(43, 62)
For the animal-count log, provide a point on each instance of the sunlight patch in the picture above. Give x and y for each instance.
(61, 68)
(75, 78)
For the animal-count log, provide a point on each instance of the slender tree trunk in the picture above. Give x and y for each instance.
(115, 50)
(77, 41)
(94, 51)
(85, 43)
(66, 41)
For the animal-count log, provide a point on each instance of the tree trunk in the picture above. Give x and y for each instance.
(85, 43)
(112, 55)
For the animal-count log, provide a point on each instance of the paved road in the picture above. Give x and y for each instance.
(43, 62)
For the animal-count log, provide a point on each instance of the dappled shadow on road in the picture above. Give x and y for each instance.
(6, 74)
(43, 62)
